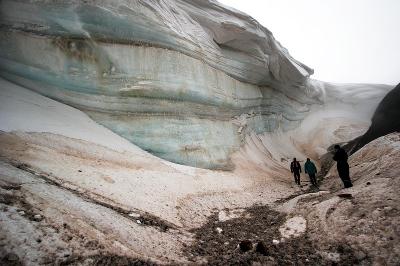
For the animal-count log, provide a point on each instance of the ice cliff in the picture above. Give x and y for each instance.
(184, 80)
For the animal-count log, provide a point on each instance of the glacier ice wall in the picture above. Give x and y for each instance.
(184, 80)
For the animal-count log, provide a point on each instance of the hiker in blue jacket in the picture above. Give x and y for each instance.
(311, 170)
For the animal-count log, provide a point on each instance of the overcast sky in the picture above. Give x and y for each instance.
(342, 40)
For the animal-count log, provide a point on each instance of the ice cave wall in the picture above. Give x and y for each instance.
(184, 80)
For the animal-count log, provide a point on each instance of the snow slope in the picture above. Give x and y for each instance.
(54, 138)
(27, 111)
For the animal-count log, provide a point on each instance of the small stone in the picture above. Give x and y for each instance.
(133, 214)
(226, 243)
(37, 217)
(368, 183)
(332, 256)
(79, 171)
(89, 261)
(219, 230)
(376, 213)
(138, 222)
(11, 257)
(360, 255)
(245, 245)
(275, 242)
(21, 212)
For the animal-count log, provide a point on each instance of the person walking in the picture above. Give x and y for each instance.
(311, 170)
(342, 166)
(295, 168)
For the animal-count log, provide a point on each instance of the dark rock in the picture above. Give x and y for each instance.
(37, 217)
(340, 249)
(384, 121)
(11, 187)
(344, 249)
(23, 166)
(368, 183)
(10, 259)
(245, 245)
(262, 248)
(345, 196)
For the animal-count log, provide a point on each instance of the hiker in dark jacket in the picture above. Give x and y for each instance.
(295, 168)
(342, 166)
(311, 170)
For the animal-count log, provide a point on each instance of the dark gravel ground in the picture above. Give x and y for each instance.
(258, 224)
(107, 260)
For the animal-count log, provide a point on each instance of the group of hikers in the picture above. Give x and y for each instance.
(340, 157)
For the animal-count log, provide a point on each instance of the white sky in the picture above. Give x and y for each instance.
(342, 40)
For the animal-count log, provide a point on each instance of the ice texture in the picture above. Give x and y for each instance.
(184, 80)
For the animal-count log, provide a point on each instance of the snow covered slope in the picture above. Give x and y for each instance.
(65, 144)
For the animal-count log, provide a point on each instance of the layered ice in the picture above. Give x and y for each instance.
(184, 80)
(226, 39)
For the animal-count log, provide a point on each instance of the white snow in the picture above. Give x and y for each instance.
(27, 111)
(293, 227)
(226, 215)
